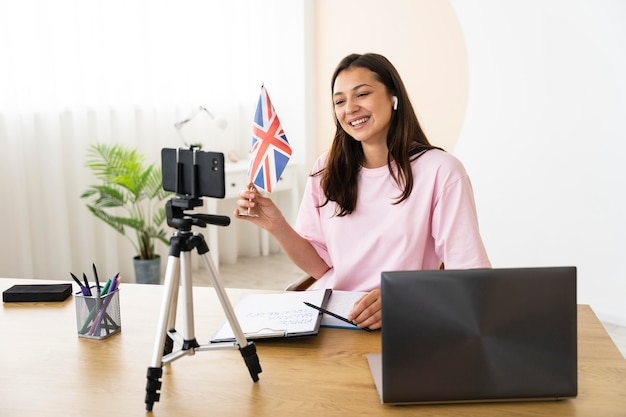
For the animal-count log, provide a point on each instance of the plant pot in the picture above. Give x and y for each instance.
(147, 271)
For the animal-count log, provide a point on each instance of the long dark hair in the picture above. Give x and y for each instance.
(405, 140)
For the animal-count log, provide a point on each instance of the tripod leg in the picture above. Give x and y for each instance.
(181, 244)
(247, 349)
(167, 314)
(189, 336)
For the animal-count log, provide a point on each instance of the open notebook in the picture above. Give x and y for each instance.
(341, 303)
(276, 315)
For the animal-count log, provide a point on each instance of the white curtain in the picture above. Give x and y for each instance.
(76, 72)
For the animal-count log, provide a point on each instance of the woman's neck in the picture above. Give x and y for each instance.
(375, 156)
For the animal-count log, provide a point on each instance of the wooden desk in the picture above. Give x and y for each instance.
(46, 370)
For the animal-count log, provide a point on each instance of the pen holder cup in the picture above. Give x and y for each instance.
(98, 317)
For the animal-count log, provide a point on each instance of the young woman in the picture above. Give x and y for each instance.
(381, 199)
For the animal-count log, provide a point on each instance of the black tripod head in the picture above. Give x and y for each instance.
(178, 219)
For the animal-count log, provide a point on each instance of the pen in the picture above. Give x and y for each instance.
(86, 284)
(114, 283)
(105, 289)
(95, 275)
(98, 299)
(337, 316)
(83, 290)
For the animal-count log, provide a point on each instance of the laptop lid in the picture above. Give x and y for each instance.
(477, 335)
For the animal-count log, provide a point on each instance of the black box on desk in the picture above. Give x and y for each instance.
(37, 292)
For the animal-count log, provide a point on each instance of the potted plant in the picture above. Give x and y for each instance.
(128, 198)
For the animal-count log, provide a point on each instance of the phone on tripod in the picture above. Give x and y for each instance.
(192, 173)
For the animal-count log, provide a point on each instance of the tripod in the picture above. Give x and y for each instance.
(179, 270)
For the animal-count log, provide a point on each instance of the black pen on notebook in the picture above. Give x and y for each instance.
(337, 316)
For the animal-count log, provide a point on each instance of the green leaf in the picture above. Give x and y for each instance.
(128, 195)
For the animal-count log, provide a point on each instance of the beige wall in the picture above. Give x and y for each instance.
(422, 39)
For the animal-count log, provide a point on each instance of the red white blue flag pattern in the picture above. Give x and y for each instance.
(270, 148)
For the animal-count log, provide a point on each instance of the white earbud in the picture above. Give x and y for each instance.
(395, 102)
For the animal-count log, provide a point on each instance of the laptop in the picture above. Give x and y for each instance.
(477, 335)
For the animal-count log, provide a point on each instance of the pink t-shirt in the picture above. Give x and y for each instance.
(437, 223)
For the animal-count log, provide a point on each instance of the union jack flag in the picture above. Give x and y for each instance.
(270, 148)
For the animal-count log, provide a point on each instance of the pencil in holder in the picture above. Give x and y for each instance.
(98, 317)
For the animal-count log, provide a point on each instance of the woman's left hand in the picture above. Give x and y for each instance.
(367, 311)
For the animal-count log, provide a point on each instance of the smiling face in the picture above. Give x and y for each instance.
(363, 106)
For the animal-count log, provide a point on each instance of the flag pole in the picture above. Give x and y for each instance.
(247, 213)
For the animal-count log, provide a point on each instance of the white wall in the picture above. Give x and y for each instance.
(77, 72)
(544, 138)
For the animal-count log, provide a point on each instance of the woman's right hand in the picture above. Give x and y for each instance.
(266, 214)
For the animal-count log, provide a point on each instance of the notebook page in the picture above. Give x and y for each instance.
(275, 315)
(341, 303)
